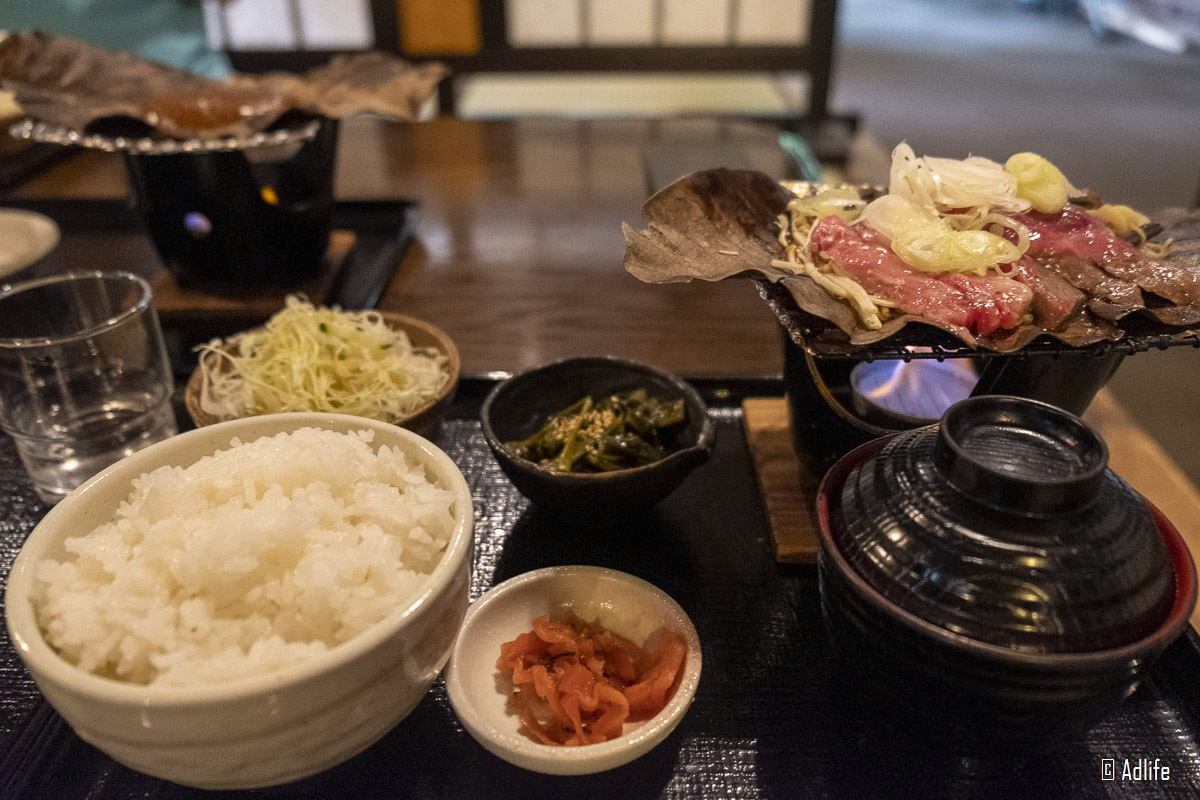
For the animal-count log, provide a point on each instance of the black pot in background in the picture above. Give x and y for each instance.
(259, 215)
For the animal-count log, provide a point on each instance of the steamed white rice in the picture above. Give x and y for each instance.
(249, 560)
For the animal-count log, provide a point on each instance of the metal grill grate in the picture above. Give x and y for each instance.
(812, 334)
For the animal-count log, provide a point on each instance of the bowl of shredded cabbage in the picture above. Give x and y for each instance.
(376, 364)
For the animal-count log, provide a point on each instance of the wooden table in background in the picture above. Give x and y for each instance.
(519, 246)
(519, 249)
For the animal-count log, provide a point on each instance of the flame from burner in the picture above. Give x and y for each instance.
(920, 390)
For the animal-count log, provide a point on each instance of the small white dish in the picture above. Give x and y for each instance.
(624, 604)
(25, 236)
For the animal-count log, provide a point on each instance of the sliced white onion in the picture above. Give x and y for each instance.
(926, 241)
(953, 184)
(893, 214)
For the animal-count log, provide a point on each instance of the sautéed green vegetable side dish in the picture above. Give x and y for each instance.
(619, 431)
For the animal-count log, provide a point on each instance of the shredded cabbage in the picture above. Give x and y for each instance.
(309, 358)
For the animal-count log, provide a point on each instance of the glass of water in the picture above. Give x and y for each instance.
(84, 377)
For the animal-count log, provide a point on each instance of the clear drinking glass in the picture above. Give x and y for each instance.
(84, 377)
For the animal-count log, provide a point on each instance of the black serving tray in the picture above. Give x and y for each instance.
(776, 715)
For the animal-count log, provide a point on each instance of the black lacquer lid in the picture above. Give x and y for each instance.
(1004, 524)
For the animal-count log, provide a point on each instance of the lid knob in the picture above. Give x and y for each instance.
(1019, 455)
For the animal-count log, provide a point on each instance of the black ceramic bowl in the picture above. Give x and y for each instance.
(993, 577)
(519, 406)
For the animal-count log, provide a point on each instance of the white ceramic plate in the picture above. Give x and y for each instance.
(25, 236)
(624, 604)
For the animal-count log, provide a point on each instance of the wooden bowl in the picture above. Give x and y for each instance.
(423, 420)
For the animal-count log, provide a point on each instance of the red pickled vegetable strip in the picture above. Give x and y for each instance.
(529, 721)
(648, 696)
(578, 683)
(559, 638)
(613, 719)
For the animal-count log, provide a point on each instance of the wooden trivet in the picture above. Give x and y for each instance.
(170, 297)
(788, 489)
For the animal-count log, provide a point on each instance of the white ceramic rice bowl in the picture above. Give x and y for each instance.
(259, 730)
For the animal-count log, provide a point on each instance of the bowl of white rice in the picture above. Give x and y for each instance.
(251, 602)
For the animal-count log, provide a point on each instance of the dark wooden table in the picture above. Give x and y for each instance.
(518, 250)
